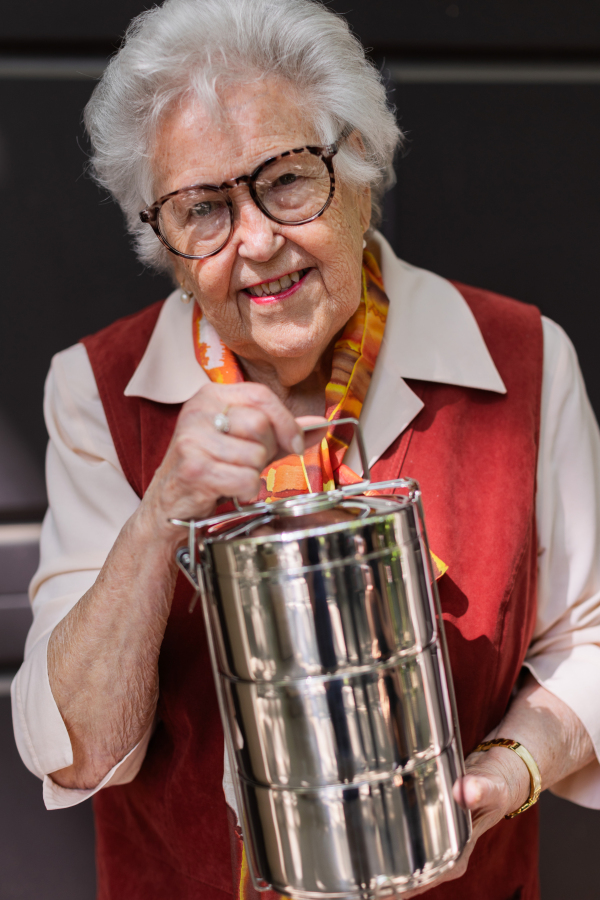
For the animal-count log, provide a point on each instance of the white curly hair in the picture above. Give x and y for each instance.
(194, 48)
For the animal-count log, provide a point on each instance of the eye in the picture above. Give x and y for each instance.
(202, 210)
(288, 178)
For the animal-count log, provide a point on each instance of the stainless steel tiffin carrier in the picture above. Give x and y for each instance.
(333, 681)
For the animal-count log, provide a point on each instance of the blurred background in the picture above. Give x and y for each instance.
(499, 186)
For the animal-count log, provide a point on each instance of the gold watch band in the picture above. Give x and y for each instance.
(535, 779)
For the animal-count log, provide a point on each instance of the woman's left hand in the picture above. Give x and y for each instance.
(497, 782)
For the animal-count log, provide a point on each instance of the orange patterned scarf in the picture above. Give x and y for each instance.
(354, 357)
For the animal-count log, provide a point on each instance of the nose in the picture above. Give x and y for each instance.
(257, 237)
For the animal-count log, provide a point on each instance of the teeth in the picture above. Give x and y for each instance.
(274, 287)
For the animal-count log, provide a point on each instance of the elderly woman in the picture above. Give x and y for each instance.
(249, 144)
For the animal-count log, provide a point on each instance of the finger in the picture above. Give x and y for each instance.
(226, 480)
(305, 421)
(254, 425)
(452, 874)
(485, 798)
(257, 396)
(477, 792)
(248, 425)
(237, 451)
(314, 435)
(244, 422)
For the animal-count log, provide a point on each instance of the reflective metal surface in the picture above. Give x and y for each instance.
(307, 602)
(338, 730)
(338, 710)
(368, 839)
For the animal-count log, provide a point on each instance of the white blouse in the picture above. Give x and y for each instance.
(430, 335)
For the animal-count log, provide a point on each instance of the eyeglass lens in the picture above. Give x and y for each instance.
(291, 189)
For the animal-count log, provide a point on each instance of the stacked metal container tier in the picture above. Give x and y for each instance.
(338, 712)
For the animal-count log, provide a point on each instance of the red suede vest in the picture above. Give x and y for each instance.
(165, 835)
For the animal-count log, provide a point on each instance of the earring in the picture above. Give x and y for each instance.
(185, 296)
(364, 244)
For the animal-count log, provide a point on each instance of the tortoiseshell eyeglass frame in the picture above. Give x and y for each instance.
(150, 214)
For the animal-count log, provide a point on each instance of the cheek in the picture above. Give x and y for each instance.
(342, 261)
(342, 241)
(211, 280)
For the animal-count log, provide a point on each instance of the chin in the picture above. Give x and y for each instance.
(293, 350)
(294, 344)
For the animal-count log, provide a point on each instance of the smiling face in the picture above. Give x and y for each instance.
(276, 294)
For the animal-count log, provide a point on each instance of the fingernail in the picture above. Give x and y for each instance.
(476, 794)
(298, 444)
(473, 793)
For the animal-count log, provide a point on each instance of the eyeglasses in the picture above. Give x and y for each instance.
(291, 189)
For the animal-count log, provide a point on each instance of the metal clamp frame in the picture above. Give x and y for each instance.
(186, 555)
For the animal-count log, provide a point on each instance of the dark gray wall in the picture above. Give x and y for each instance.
(511, 24)
(67, 21)
(470, 24)
(67, 269)
(500, 187)
(43, 856)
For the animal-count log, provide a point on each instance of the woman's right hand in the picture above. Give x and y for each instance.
(103, 656)
(202, 464)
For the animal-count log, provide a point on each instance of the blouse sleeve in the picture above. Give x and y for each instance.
(89, 502)
(564, 655)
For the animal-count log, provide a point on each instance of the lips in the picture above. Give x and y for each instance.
(278, 285)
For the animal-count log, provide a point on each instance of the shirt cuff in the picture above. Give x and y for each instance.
(42, 737)
(57, 797)
(574, 677)
(40, 733)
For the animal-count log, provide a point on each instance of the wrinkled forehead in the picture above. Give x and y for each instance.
(198, 143)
